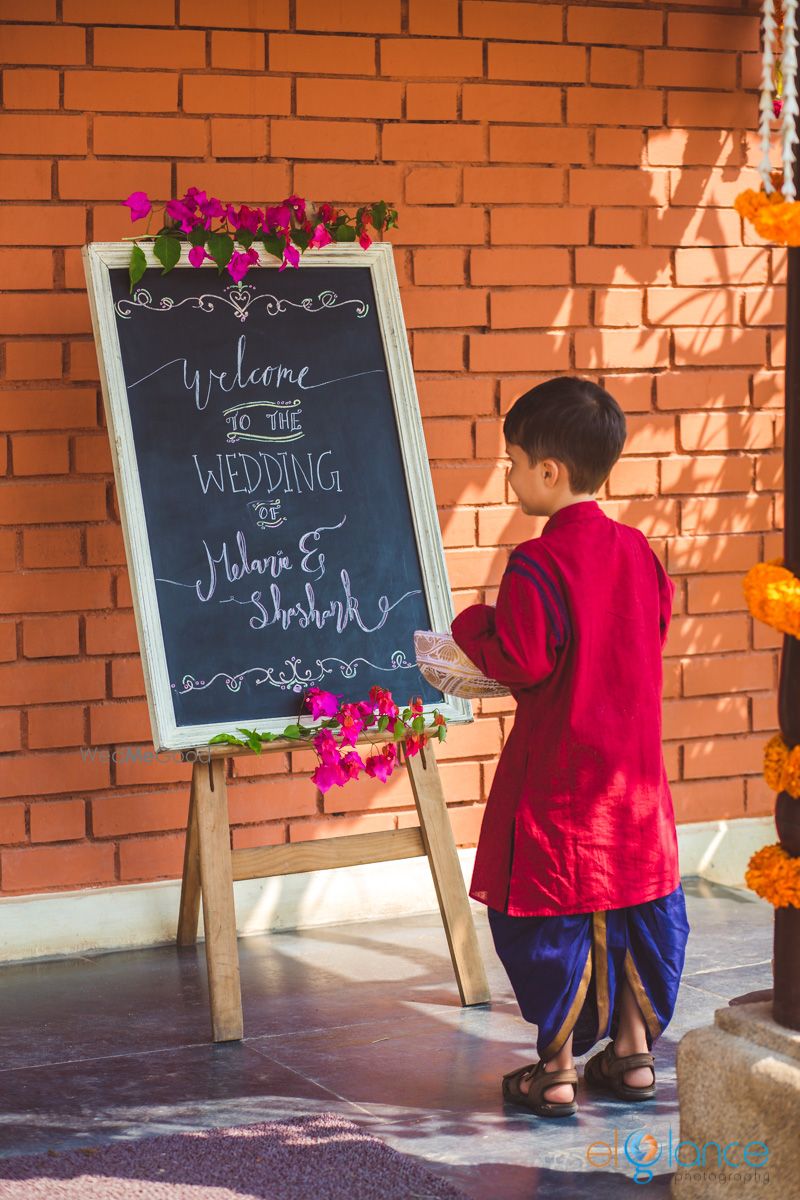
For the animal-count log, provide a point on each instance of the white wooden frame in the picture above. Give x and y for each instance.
(98, 259)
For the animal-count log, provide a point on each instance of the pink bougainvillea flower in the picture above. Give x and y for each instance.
(322, 704)
(329, 774)
(181, 213)
(326, 213)
(380, 766)
(197, 256)
(278, 219)
(326, 746)
(367, 712)
(352, 722)
(414, 743)
(320, 237)
(365, 241)
(439, 719)
(291, 257)
(382, 700)
(298, 206)
(353, 764)
(139, 204)
(416, 706)
(241, 262)
(249, 219)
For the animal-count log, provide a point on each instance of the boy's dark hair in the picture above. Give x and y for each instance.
(574, 421)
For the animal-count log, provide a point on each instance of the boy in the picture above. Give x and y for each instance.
(577, 859)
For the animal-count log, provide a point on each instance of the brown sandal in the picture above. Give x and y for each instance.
(611, 1079)
(540, 1081)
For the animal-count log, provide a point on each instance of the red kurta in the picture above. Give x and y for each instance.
(580, 816)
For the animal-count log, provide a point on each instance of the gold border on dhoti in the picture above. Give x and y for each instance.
(642, 998)
(574, 1009)
(601, 971)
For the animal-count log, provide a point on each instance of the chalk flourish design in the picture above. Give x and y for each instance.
(295, 680)
(241, 298)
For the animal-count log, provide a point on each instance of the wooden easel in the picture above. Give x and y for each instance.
(210, 868)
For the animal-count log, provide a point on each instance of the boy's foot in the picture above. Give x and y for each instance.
(628, 1076)
(642, 1077)
(557, 1093)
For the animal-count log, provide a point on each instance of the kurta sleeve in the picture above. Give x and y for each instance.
(518, 641)
(666, 591)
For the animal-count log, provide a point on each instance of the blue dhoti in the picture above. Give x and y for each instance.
(567, 972)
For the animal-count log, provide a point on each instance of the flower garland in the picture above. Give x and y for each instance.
(350, 721)
(775, 876)
(774, 212)
(782, 766)
(773, 596)
(286, 230)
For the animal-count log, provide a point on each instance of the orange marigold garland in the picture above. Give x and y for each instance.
(773, 596)
(782, 766)
(774, 875)
(772, 217)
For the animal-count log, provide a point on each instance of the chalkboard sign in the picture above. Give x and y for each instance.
(275, 494)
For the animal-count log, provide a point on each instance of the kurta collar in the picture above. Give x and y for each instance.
(582, 511)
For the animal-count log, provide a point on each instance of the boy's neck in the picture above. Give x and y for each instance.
(568, 500)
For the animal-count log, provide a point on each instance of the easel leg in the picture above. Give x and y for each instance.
(219, 916)
(189, 910)
(440, 846)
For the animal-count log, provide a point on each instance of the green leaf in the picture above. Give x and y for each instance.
(229, 739)
(274, 245)
(400, 732)
(344, 233)
(383, 721)
(442, 731)
(244, 237)
(220, 247)
(301, 238)
(293, 731)
(198, 236)
(138, 264)
(418, 724)
(379, 212)
(167, 250)
(406, 714)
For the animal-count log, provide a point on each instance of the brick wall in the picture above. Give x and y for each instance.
(563, 175)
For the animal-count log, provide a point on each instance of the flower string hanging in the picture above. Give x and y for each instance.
(774, 211)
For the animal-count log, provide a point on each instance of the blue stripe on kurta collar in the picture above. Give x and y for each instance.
(573, 512)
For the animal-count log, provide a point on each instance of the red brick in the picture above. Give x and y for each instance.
(510, 267)
(634, 477)
(433, 143)
(121, 91)
(56, 726)
(12, 823)
(349, 15)
(706, 473)
(352, 182)
(52, 773)
(56, 546)
(249, 95)
(765, 308)
(250, 181)
(433, 185)
(723, 756)
(255, 836)
(632, 392)
(518, 352)
(438, 351)
(726, 347)
(33, 360)
(170, 48)
(623, 187)
(708, 800)
(615, 26)
(56, 45)
(608, 267)
(49, 637)
(722, 32)
(702, 389)
(29, 10)
(439, 226)
(33, 270)
(58, 821)
(715, 593)
(683, 68)
(311, 830)
(30, 89)
(40, 454)
(40, 502)
(457, 526)
(707, 634)
(316, 55)
(504, 18)
(621, 348)
(424, 17)
(737, 514)
(618, 306)
(702, 718)
(52, 134)
(43, 313)
(48, 868)
(443, 307)
(239, 14)
(139, 812)
(238, 137)
(683, 148)
(370, 98)
(93, 454)
(507, 102)
(323, 139)
(538, 64)
(726, 431)
(613, 106)
(25, 179)
(689, 227)
(690, 306)
(152, 857)
(149, 137)
(538, 307)
(468, 485)
(66, 226)
(711, 110)
(623, 147)
(448, 439)
(97, 12)
(455, 397)
(429, 101)
(543, 144)
(237, 50)
(45, 591)
(614, 66)
(618, 226)
(10, 733)
(503, 185)
(712, 554)
(562, 226)
(728, 673)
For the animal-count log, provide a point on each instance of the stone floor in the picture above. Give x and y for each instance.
(361, 1019)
